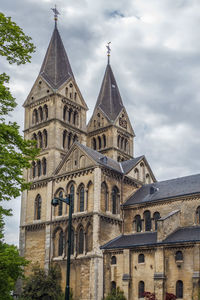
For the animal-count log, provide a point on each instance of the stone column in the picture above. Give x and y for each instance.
(159, 275)
(196, 273)
(126, 277)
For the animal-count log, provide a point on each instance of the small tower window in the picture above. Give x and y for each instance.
(44, 166)
(82, 198)
(138, 223)
(156, 217)
(60, 244)
(38, 204)
(60, 206)
(113, 260)
(179, 289)
(80, 241)
(141, 258)
(179, 256)
(147, 220)
(141, 289)
(39, 168)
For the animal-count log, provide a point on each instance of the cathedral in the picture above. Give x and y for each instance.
(128, 229)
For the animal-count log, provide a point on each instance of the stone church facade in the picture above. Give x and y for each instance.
(128, 230)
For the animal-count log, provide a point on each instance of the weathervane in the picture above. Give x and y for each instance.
(108, 51)
(56, 13)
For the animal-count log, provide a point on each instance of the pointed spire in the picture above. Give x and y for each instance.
(56, 68)
(109, 99)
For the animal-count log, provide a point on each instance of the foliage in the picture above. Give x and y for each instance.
(42, 285)
(14, 44)
(116, 295)
(11, 268)
(149, 296)
(15, 152)
(170, 296)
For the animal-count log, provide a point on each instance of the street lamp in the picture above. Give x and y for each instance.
(68, 201)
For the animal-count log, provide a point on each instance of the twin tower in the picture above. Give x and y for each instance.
(89, 161)
(55, 114)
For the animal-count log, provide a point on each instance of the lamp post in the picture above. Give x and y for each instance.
(55, 202)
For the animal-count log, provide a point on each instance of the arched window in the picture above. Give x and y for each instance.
(34, 116)
(75, 119)
(40, 113)
(70, 115)
(60, 244)
(179, 289)
(136, 173)
(75, 139)
(156, 217)
(122, 143)
(147, 220)
(38, 205)
(81, 198)
(141, 289)
(33, 169)
(179, 256)
(138, 223)
(69, 140)
(125, 145)
(60, 205)
(113, 286)
(104, 140)
(141, 258)
(80, 241)
(44, 166)
(89, 238)
(99, 142)
(198, 215)
(45, 138)
(45, 109)
(94, 144)
(64, 112)
(118, 141)
(147, 178)
(64, 138)
(39, 168)
(104, 196)
(113, 260)
(72, 196)
(115, 200)
(66, 91)
(72, 241)
(40, 139)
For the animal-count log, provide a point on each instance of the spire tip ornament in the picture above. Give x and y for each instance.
(108, 51)
(56, 13)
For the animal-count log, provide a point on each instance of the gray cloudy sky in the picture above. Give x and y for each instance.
(156, 61)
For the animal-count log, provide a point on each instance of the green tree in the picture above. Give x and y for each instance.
(15, 152)
(116, 295)
(42, 286)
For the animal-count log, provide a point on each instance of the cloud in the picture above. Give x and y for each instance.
(155, 56)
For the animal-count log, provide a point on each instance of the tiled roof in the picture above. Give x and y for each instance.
(166, 189)
(56, 68)
(109, 99)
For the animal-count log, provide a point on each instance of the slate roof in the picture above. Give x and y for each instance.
(185, 234)
(181, 235)
(127, 165)
(166, 189)
(98, 157)
(132, 240)
(109, 99)
(56, 68)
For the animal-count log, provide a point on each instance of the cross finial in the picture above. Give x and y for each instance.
(108, 51)
(56, 13)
